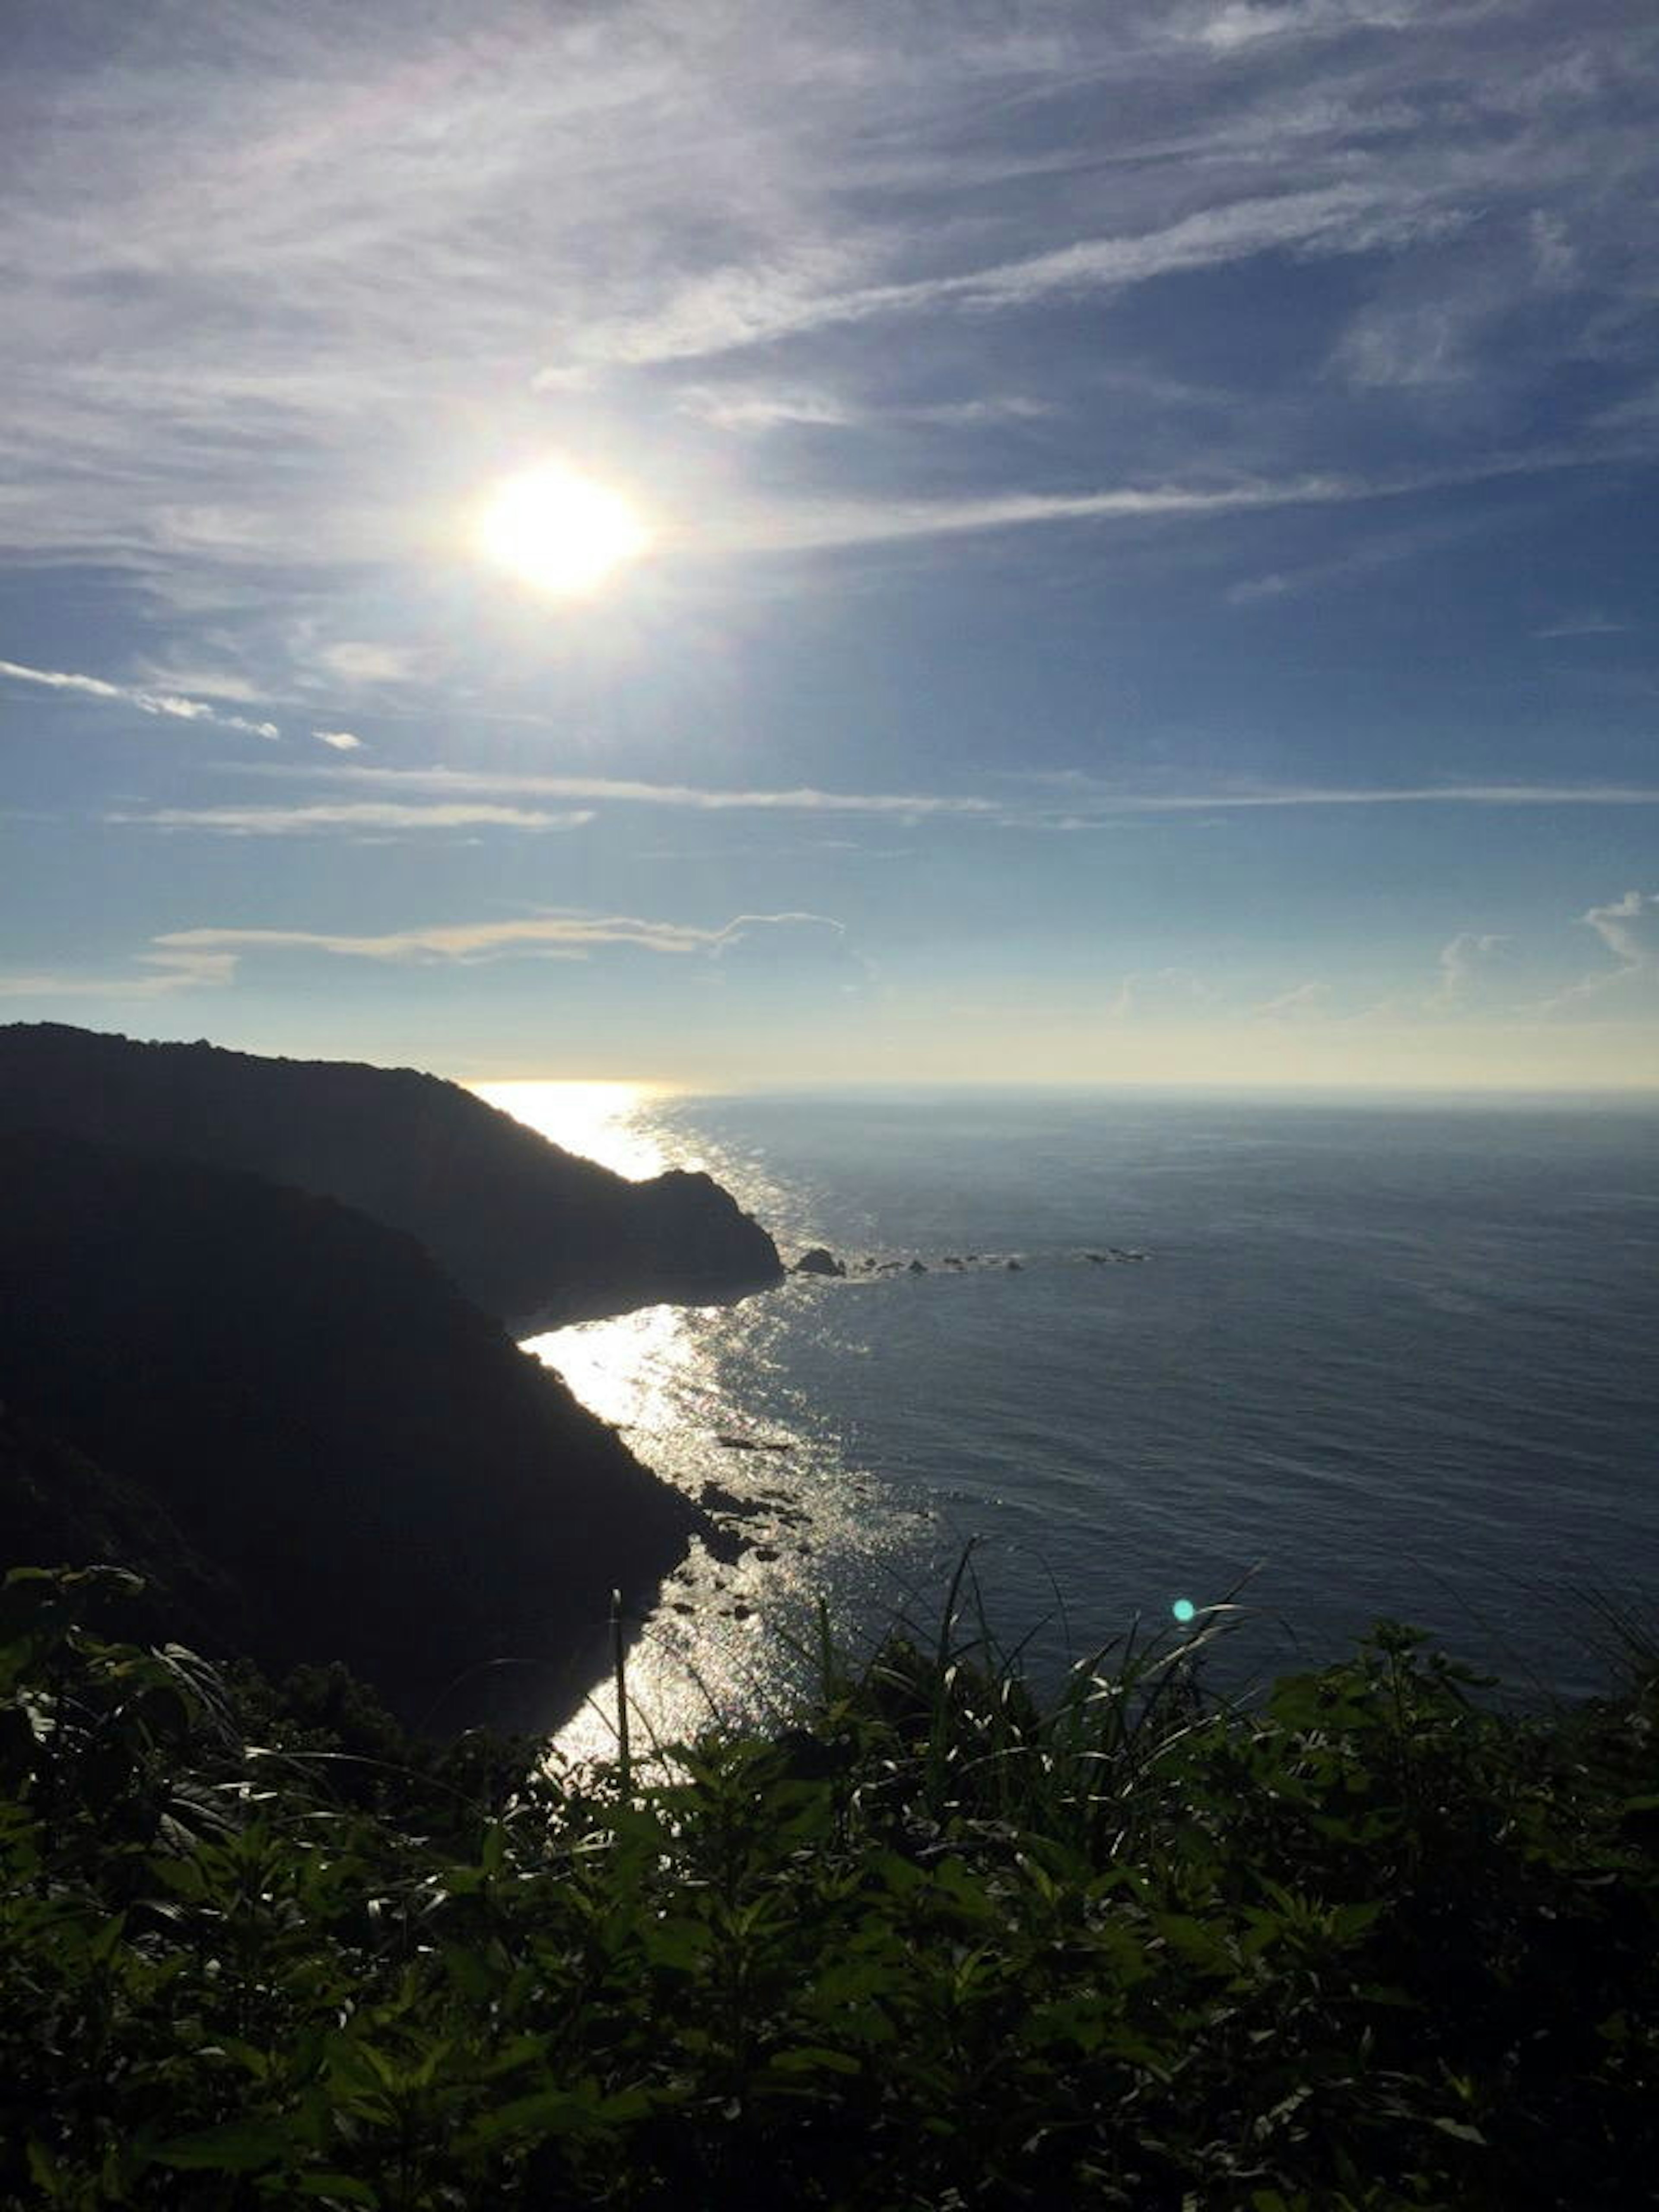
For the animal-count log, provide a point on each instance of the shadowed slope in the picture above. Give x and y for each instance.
(375, 1470)
(528, 1232)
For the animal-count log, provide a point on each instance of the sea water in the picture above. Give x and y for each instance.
(1390, 1358)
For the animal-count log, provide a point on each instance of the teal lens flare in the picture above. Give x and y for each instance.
(1184, 1610)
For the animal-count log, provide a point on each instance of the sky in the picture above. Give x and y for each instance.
(1142, 520)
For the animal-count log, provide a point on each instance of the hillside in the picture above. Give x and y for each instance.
(527, 1232)
(297, 1423)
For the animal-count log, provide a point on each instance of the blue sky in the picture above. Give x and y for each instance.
(1152, 546)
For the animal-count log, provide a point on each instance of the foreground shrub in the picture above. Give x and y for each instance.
(938, 1944)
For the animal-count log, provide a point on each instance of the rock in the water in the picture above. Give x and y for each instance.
(1015, 1267)
(819, 1260)
(917, 1267)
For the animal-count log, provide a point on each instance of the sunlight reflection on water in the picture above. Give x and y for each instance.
(601, 1121)
(698, 1395)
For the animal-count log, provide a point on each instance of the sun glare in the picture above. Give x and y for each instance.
(560, 531)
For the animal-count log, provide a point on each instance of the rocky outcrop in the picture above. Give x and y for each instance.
(819, 1260)
(530, 1233)
(286, 1413)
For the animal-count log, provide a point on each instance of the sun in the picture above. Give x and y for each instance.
(560, 531)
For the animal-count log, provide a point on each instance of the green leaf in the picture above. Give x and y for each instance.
(234, 2146)
(343, 2185)
(812, 2058)
(548, 2112)
(44, 2167)
(103, 1944)
(1460, 2128)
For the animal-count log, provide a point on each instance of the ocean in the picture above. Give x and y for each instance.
(1326, 1361)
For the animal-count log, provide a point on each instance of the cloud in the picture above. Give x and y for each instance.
(751, 407)
(789, 949)
(1305, 1002)
(363, 816)
(352, 660)
(1163, 994)
(737, 308)
(1628, 928)
(634, 792)
(571, 935)
(340, 741)
(758, 407)
(1228, 29)
(1584, 625)
(131, 694)
(160, 975)
(1467, 966)
(824, 525)
(1080, 802)
(1086, 798)
(974, 414)
(214, 683)
(255, 353)
(748, 937)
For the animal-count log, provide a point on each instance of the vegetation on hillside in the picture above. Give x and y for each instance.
(936, 1944)
(292, 1420)
(523, 1229)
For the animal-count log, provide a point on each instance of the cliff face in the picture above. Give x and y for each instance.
(299, 1422)
(528, 1232)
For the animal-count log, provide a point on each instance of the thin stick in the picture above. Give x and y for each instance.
(619, 1665)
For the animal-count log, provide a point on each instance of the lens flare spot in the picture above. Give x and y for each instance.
(1184, 1610)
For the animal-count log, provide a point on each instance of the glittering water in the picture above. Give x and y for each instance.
(1401, 1356)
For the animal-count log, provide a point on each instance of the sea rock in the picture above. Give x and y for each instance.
(818, 1260)
(715, 1497)
(917, 1267)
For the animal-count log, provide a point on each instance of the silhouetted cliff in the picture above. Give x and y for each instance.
(528, 1232)
(302, 1428)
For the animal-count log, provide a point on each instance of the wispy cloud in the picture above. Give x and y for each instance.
(339, 741)
(1077, 801)
(1583, 625)
(1163, 994)
(1308, 1002)
(154, 975)
(1467, 964)
(729, 313)
(167, 703)
(570, 935)
(822, 526)
(752, 407)
(1628, 928)
(635, 791)
(367, 816)
(315, 254)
